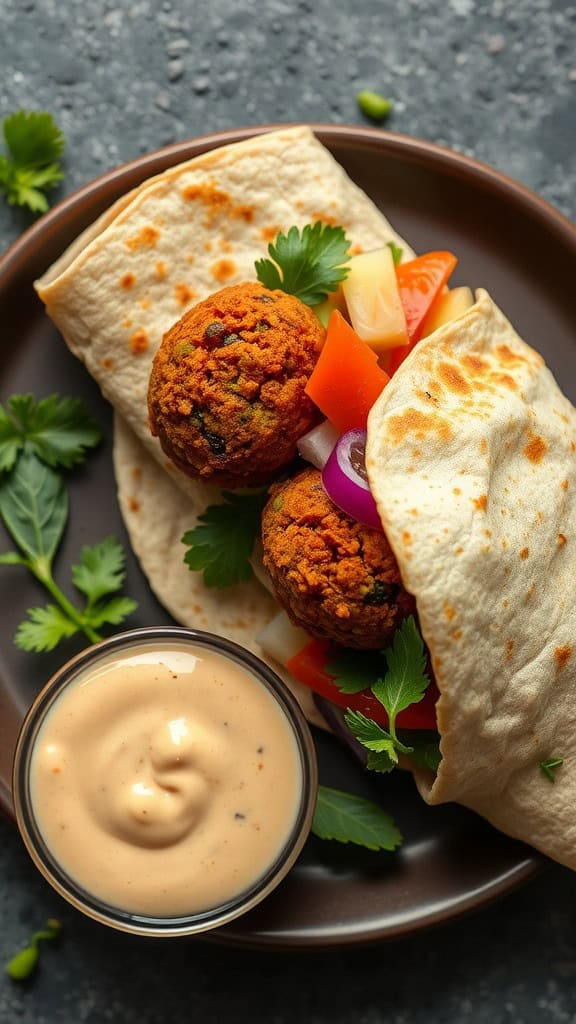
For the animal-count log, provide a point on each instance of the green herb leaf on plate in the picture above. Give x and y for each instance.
(352, 819)
(309, 264)
(222, 544)
(44, 628)
(111, 612)
(101, 570)
(57, 430)
(34, 507)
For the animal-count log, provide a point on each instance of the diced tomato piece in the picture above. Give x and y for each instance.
(420, 282)
(346, 380)
(309, 668)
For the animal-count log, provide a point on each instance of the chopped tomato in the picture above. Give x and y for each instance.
(346, 380)
(420, 282)
(308, 666)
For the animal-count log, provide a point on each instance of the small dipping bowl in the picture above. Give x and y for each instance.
(205, 763)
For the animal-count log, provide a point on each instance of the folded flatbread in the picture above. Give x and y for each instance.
(472, 460)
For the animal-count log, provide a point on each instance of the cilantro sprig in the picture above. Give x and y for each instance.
(36, 439)
(222, 544)
(58, 430)
(352, 819)
(34, 145)
(404, 683)
(308, 264)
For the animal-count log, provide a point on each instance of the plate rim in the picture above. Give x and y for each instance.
(404, 146)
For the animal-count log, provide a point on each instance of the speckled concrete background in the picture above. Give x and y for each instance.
(493, 79)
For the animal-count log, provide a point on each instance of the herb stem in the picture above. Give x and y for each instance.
(44, 575)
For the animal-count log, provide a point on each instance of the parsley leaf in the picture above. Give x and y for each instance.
(222, 545)
(34, 507)
(309, 264)
(35, 145)
(58, 430)
(550, 766)
(406, 679)
(403, 684)
(351, 819)
(44, 628)
(354, 671)
(101, 570)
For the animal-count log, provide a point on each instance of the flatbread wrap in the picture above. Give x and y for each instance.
(471, 458)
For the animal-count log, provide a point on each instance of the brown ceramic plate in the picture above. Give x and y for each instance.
(508, 241)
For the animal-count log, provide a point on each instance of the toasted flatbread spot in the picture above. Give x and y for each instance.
(562, 656)
(417, 424)
(146, 238)
(223, 270)
(269, 232)
(127, 281)
(524, 554)
(139, 341)
(536, 448)
(183, 294)
(452, 378)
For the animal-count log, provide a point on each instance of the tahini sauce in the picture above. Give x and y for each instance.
(166, 783)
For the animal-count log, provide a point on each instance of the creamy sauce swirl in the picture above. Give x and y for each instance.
(164, 782)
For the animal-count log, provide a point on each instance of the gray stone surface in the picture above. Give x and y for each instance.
(496, 80)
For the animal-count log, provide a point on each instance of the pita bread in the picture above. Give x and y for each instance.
(471, 458)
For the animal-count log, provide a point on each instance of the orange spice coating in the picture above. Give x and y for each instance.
(226, 395)
(335, 577)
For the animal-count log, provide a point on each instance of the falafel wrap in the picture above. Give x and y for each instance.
(471, 458)
(130, 276)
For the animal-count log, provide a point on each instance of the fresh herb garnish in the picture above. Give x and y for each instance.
(58, 430)
(354, 671)
(222, 545)
(35, 438)
(351, 819)
(403, 684)
(397, 252)
(309, 264)
(35, 146)
(550, 766)
(373, 105)
(23, 965)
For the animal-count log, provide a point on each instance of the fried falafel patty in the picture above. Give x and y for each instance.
(226, 395)
(335, 577)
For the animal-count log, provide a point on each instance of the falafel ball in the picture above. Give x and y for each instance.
(335, 577)
(226, 395)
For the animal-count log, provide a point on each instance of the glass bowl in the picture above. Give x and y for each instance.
(80, 668)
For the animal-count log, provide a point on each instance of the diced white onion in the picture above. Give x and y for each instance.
(317, 445)
(280, 640)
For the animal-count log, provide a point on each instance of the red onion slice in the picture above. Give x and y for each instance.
(345, 481)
